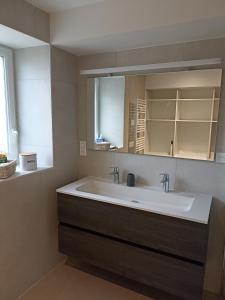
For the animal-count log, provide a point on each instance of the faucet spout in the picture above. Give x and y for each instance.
(165, 180)
(116, 174)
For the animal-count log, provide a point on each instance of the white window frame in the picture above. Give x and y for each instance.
(96, 109)
(12, 132)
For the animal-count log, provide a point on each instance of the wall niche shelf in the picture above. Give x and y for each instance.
(182, 122)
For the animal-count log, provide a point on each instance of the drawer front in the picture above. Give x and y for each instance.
(170, 235)
(168, 274)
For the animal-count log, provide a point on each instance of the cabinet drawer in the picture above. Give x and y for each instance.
(171, 275)
(170, 235)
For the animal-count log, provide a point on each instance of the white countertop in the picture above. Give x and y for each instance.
(148, 198)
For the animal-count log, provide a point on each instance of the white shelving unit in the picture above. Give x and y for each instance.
(140, 125)
(186, 117)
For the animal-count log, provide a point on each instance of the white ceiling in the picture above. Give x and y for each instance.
(194, 31)
(52, 6)
(96, 26)
(15, 39)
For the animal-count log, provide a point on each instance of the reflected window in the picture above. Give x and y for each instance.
(3, 118)
(109, 111)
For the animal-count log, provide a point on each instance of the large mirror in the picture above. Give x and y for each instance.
(167, 114)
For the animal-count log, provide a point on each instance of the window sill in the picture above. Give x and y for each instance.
(20, 173)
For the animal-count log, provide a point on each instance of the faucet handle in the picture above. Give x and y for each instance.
(115, 169)
(165, 181)
(164, 177)
(163, 174)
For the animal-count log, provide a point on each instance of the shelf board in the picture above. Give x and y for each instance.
(197, 121)
(197, 99)
(158, 100)
(158, 153)
(160, 120)
(184, 121)
(187, 155)
(183, 99)
(193, 155)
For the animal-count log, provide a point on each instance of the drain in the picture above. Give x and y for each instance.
(134, 201)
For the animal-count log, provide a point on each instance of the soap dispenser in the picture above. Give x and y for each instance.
(130, 179)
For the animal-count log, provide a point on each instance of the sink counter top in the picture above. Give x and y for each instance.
(187, 206)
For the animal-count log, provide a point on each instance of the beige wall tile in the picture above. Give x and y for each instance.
(65, 129)
(28, 229)
(214, 48)
(22, 16)
(97, 61)
(65, 67)
(149, 55)
(28, 205)
(41, 25)
(28, 225)
(26, 67)
(33, 100)
(208, 178)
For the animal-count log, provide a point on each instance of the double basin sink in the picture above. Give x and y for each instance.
(193, 207)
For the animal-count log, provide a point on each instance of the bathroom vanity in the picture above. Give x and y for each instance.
(157, 239)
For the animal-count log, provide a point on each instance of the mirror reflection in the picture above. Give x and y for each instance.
(167, 114)
(109, 112)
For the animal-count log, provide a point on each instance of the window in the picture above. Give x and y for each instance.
(8, 128)
(109, 110)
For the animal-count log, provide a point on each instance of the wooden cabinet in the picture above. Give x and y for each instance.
(159, 251)
(174, 276)
(170, 235)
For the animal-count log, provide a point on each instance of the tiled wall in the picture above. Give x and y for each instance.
(187, 175)
(28, 211)
(34, 105)
(65, 113)
(24, 17)
(28, 207)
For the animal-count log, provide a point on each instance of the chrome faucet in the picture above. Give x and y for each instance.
(116, 175)
(165, 180)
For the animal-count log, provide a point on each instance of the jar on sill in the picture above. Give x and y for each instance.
(28, 161)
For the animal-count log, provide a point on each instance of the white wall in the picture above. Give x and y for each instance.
(34, 103)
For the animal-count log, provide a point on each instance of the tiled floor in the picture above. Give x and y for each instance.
(66, 283)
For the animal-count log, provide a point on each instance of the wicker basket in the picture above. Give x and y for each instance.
(7, 169)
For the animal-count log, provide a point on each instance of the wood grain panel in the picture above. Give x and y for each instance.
(171, 235)
(171, 275)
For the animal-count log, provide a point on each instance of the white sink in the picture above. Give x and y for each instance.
(142, 197)
(194, 207)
